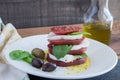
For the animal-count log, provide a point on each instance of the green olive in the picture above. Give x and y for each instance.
(39, 53)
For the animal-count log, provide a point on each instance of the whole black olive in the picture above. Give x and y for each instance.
(48, 67)
(39, 53)
(36, 62)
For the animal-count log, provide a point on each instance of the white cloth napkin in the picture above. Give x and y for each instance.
(8, 35)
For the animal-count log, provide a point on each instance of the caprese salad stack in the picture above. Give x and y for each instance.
(67, 46)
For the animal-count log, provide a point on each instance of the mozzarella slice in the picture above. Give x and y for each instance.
(84, 44)
(53, 36)
(66, 58)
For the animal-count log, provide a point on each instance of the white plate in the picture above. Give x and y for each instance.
(103, 59)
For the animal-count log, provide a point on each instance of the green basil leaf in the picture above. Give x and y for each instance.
(60, 51)
(18, 54)
(78, 33)
(31, 56)
(22, 55)
(84, 55)
(28, 59)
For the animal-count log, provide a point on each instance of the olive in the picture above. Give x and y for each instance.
(48, 67)
(39, 53)
(36, 62)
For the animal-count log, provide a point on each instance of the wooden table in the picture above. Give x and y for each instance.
(115, 38)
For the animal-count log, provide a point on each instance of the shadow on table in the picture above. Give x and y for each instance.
(112, 75)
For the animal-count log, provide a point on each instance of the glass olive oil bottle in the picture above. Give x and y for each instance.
(99, 31)
(98, 21)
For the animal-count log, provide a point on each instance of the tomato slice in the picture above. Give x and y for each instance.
(62, 42)
(77, 52)
(62, 30)
(66, 64)
(72, 52)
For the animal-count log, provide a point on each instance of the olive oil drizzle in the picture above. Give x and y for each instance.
(78, 69)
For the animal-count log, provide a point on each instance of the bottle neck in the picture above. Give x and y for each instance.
(103, 3)
(104, 14)
(91, 11)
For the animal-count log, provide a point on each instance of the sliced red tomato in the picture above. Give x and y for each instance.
(72, 52)
(66, 64)
(62, 42)
(77, 52)
(62, 30)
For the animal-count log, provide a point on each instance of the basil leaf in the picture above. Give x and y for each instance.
(21, 55)
(84, 55)
(78, 33)
(31, 56)
(28, 60)
(18, 54)
(60, 51)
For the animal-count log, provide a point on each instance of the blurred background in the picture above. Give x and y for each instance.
(39, 13)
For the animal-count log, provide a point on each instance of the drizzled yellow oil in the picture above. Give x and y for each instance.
(46, 53)
(79, 68)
